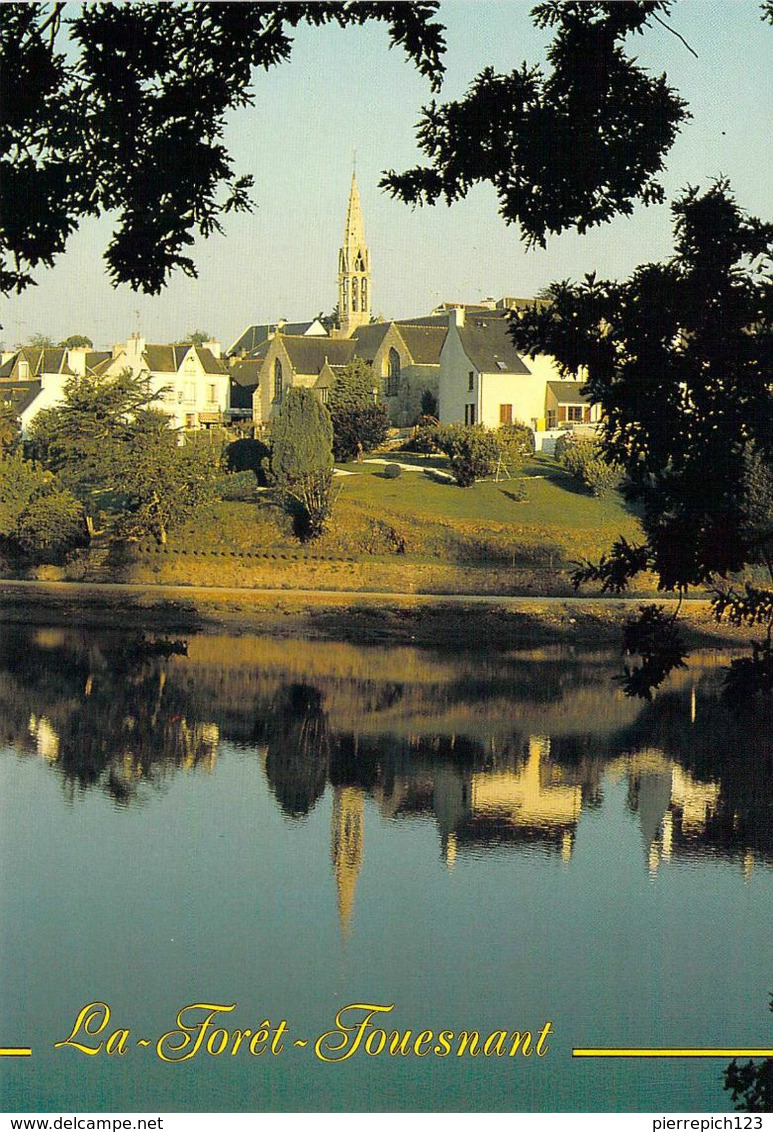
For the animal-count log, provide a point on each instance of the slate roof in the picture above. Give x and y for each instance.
(52, 359)
(369, 339)
(309, 354)
(424, 342)
(168, 359)
(246, 373)
(569, 392)
(254, 336)
(98, 360)
(489, 347)
(19, 395)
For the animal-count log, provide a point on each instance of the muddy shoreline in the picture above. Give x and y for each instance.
(470, 622)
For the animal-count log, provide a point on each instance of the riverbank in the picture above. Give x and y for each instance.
(461, 621)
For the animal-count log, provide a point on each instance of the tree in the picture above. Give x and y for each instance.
(101, 129)
(679, 357)
(472, 452)
(86, 439)
(197, 337)
(117, 454)
(131, 120)
(10, 429)
(36, 515)
(77, 340)
(164, 483)
(522, 132)
(302, 461)
(358, 423)
(39, 341)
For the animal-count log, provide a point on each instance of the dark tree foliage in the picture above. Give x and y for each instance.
(679, 357)
(133, 121)
(750, 1084)
(567, 149)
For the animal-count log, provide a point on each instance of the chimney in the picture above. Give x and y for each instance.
(76, 360)
(457, 316)
(214, 347)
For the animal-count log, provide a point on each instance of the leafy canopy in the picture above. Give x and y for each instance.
(679, 357)
(132, 120)
(569, 148)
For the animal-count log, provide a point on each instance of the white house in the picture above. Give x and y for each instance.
(191, 382)
(484, 380)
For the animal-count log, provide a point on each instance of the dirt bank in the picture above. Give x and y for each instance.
(461, 621)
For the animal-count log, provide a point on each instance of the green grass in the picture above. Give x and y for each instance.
(555, 522)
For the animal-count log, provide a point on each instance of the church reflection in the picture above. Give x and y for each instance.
(502, 760)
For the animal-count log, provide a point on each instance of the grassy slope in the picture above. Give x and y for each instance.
(555, 523)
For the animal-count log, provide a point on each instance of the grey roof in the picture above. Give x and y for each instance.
(168, 359)
(246, 373)
(369, 339)
(52, 359)
(19, 395)
(250, 339)
(489, 347)
(98, 360)
(309, 354)
(569, 392)
(424, 342)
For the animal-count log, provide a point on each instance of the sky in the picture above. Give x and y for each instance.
(345, 91)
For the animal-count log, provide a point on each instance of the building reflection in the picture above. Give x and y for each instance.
(504, 759)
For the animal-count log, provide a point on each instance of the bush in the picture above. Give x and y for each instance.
(584, 459)
(392, 471)
(516, 443)
(302, 461)
(472, 451)
(248, 455)
(365, 425)
(51, 525)
(425, 440)
(238, 487)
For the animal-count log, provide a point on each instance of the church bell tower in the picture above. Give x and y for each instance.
(354, 298)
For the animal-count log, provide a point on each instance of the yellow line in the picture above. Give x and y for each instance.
(672, 1053)
(19, 1051)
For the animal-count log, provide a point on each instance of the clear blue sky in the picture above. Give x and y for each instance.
(344, 89)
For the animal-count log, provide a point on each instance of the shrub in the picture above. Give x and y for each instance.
(366, 425)
(584, 459)
(302, 461)
(392, 471)
(472, 451)
(428, 404)
(51, 525)
(425, 439)
(516, 443)
(238, 487)
(248, 455)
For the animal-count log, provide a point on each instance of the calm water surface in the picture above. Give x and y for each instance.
(486, 842)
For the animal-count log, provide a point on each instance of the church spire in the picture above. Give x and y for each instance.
(353, 269)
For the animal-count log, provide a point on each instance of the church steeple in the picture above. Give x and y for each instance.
(354, 297)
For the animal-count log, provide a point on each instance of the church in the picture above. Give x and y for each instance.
(458, 362)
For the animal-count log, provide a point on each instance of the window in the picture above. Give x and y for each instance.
(363, 294)
(574, 413)
(278, 381)
(470, 381)
(505, 414)
(355, 294)
(345, 296)
(189, 391)
(24, 371)
(190, 420)
(393, 376)
(324, 396)
(469, 414)
(212, 394)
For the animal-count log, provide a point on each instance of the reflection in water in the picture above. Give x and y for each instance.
(504, 754)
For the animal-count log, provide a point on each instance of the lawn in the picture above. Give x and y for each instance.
(539, 517)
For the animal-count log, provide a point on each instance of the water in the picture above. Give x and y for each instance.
(483, 842)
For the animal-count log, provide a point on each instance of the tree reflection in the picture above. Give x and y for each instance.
(751, 1084)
